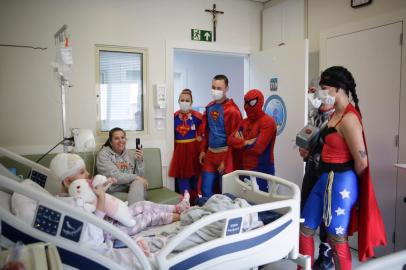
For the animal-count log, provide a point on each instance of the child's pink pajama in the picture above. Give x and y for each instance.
(148, 214)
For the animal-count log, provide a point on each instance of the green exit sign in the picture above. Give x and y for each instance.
(201, 35)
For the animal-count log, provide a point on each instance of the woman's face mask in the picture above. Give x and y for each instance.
(217, 94)
(326, 98)
(185, 106)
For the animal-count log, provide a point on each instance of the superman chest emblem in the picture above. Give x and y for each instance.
(182, 129)
(215, 115)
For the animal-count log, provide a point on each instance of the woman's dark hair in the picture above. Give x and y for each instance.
(187, 92)
(111, 132)
(221, 77)
(340, 77)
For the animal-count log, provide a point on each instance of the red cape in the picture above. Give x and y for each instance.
(365, 216)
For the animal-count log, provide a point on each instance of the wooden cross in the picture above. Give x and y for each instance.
(214, 12)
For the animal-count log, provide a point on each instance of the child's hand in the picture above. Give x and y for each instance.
(100, 190)
(113, 180)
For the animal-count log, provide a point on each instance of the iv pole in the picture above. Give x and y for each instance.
(60, 36)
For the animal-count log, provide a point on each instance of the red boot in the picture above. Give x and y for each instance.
(341, 255)
(306, 247)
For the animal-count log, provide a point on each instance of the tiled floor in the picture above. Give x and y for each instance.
(288, 265)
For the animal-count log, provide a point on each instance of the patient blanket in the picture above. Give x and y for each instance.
(217, 203)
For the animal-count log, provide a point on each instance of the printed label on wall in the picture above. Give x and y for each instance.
(273, 84)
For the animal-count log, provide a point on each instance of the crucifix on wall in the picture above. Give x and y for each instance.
(214, 13)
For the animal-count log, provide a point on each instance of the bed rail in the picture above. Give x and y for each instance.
(240, 246)
(66, 211)
(29, 163)
(38, 173)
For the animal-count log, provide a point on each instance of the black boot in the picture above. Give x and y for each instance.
(325, 259)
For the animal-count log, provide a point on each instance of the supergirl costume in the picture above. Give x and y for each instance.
(185, 167)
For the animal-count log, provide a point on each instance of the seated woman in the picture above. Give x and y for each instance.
(114, 160)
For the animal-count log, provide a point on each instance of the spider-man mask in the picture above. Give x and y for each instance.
(253, 102)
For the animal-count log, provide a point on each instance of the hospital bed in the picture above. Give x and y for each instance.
(235, 249)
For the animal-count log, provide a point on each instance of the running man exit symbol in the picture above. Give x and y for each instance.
(201, 35)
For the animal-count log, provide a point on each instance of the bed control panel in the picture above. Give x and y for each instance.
(38, 178)
(47, 220)
(71, 228)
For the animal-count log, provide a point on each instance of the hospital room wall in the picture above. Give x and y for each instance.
(30, 111)
(323, 15)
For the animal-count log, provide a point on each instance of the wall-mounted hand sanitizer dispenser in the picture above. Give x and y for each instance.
(160, 96)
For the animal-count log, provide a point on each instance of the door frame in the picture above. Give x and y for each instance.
(199, 47)
(370, 23)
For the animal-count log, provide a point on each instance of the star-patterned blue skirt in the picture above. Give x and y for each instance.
(331, 201)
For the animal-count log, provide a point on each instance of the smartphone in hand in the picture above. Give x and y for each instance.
(137, 143)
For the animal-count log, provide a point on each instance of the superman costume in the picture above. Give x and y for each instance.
(219, 121)
(343, 201)
(259, 155)
(185, 167)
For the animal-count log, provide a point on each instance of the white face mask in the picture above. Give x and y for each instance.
(315, 102)
(326, 98)
(216, 94)
(184, 106)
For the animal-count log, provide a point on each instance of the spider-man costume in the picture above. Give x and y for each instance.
(257, 156)
(219, 122)
(185, 167)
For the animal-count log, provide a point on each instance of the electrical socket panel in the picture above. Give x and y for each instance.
(160, 98)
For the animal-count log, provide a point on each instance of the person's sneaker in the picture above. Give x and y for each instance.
(325, 259)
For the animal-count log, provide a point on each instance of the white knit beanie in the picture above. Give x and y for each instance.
(65, 164)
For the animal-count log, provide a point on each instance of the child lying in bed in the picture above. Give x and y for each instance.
(70, 167)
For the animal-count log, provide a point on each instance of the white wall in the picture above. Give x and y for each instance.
(200, 68)
(283, 22)
(30, 115)
(326, 14)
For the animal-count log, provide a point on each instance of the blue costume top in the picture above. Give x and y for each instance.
(217, 130)
(185, 129)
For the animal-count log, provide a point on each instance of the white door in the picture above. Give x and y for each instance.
(374, 58)
(289, 64)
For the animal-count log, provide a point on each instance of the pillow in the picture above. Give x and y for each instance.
(24, 207)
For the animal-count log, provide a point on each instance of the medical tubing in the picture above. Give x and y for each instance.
(44, 155)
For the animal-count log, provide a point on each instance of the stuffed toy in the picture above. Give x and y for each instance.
(82, 191)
